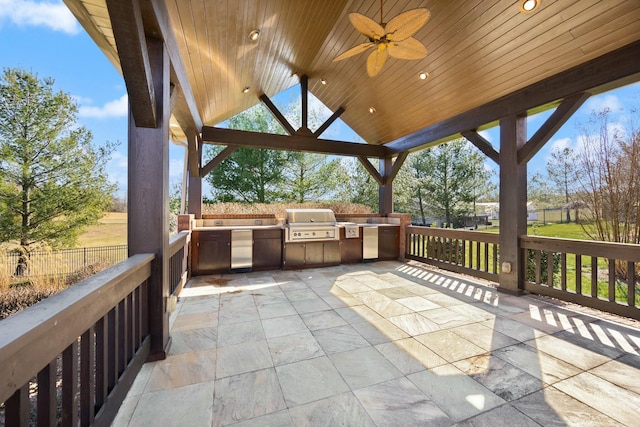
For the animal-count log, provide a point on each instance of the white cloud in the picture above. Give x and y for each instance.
(116, 108)
(54, 15)
(560, 144)
(601, 102)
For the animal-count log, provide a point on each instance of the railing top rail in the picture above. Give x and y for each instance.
(480, 236)
(621, 251)
(32, 338)
(178, 241)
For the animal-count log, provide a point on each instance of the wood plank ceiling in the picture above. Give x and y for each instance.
(479, 51)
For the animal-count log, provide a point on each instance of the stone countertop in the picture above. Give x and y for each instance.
(279, 227)
(238, 227)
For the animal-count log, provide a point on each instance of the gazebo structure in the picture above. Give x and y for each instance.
(189, 65)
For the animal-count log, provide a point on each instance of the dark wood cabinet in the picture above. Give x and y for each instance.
(267, 249)
(350, 249)
(212, 251)
(388, 241)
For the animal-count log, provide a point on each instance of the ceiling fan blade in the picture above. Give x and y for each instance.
(406, 24)
(377, 59)
(366, 26)
(410, 48)
(353, 51)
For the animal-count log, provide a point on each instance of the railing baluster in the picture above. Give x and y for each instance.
(612, 280)
(131, 344)
(550, 266)
(578, 274)
(70, 385)
(47, 400)
(112, 347)
(538, 266)
(121, 337)
(102, 372)
(87, 379)
(594, 276)
(631, 280)
(563, 271)
(17, 408)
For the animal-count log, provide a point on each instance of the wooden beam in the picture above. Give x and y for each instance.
(304, 89)
(606, 72)
(129, 33)
(186, 110)
(482, 144)
(242, 138)
(328, 122)
(213, 163)
(559, 117)
(371, 169)
(194, 146)
(277, 114)
(397, 164)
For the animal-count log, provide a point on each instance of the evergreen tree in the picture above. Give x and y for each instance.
(52, 178)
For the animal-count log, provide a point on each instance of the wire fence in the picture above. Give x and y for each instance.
(60, 262)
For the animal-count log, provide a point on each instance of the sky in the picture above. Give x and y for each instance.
(45, 38)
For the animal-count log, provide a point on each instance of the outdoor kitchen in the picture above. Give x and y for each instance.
(294, 239)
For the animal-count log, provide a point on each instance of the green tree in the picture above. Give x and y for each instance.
(542, 193)
(312, 177)
(250, 175)
(52, 178)
(359, 186)
(563, 173)
(445, 179)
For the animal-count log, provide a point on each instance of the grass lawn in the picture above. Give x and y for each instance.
(110, 230)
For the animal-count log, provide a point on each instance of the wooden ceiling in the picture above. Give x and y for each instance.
(479, 51)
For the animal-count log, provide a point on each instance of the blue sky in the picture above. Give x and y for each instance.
(43, 37)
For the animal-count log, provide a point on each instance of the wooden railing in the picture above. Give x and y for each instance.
(71, 359)
(594, 274)
(470, 252)
(179, 245)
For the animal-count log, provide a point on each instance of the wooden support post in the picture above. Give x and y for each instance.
(385, 205)
(194, 183)
(148, 202)
(513, 203)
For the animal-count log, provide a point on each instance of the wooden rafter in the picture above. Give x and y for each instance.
(397, 164)
(277, 114)
(482, 144)
(559, 117)
(129, 33)
(213, 163)
(242, 138)
(328, 122)
(371, 169)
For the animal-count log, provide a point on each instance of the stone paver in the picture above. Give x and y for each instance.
(380, 344)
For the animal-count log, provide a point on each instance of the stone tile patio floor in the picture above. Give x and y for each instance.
(384, 344)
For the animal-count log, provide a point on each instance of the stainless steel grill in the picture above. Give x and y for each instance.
(308, 225)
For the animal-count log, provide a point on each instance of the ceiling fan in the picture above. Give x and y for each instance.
(393, 39)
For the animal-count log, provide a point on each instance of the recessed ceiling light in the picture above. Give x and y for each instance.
(254, 35)
(423, 75)
(528, 6)
(372, 110)
(323, 81)
(246, 89)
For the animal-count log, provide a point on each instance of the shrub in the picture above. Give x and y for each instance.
(544, 257)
